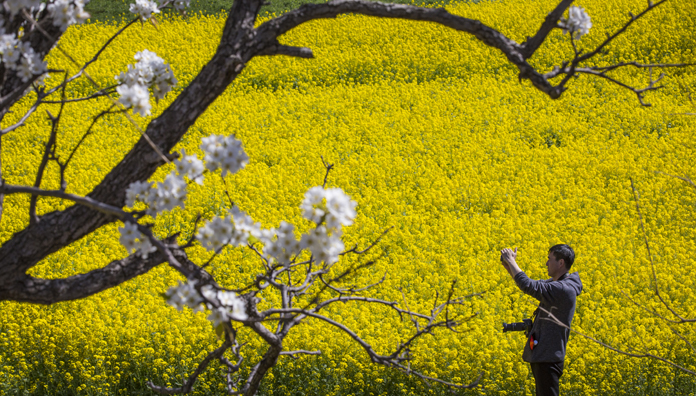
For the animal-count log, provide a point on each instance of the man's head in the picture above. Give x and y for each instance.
(560, 260)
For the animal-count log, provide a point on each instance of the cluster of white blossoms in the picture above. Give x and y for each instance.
(324, 246)
(67, 12)
(170, 193)
(15, 6)
(63, 12)
(144, 9)
(225, 153)
(329, 209)
(190, 166)
(163, 196)
(332, 206)
(224, 305)
(234, 229)
(578, 22)
(20, 56)
(150, 72)
(135, 241)
(285, 246)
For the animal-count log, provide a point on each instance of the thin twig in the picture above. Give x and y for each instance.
(652, 264)
(555, 320)
(328, 169)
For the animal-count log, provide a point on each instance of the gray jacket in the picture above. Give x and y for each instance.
(557, 297)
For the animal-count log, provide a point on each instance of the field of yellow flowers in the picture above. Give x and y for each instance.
(430, 132)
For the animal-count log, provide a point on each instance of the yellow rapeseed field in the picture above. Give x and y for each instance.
(430, 132)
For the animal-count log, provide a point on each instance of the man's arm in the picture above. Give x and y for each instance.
(548, 291)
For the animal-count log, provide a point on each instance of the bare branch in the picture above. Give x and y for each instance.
(22, 120)
(103, 92)
(188, 385)
(652, 263)
(87, 133)
(682, 178)
(328, 169)
(390, 304)
(393, 360)
(8, 189)
(683, 339)
(353, 290)
(600, 71)
(555, 320)
(621, 30)
(106, 44)
(298, 352)
(49, 291)
(571, 68)
(410, 314)
(650, 311)
(375, 242)
(49, 151)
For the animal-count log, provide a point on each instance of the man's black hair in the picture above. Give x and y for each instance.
(563, 252)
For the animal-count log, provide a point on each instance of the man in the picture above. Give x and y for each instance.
(546, 346)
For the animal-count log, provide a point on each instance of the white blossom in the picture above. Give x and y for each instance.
(163, 196)
(218, 316)
(236, 309)
(208, 291)
(14, 6)
(332, 206)
(30, 63)
(216, 233)
(185, 295)
(144, 9)
(285, 246)
(324, 246)
(167, 195)
(149, 72)
(225, 153)
(190, 166)
(67, 12)
(134, 241)
(135, 96)
(233, 229)
(341, 208)
(9, 51)
(137, 192)
(578, 22)
(181, 4)
(311, 205)
(245, 224)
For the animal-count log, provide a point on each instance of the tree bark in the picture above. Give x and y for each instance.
(58, 229)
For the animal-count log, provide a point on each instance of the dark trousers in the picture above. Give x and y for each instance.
(546, 376)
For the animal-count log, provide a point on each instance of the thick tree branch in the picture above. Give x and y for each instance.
(49, 291)
(269, 31)
(59, 229)
(550, 22)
